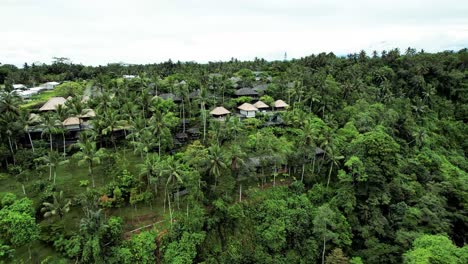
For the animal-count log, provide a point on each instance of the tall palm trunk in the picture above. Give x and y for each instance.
(183, 116)
(55, 173)
(50, 140)
(90, 172)
(170, 210)
(329, 174)
(159, 144)
(30, 140)
(64, 149)
(323, 251)
(204, 121)
(11, 149)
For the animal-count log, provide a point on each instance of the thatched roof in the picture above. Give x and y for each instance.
(71, 121)
(246, 92)
(87, 113)
(280, 104)
(261, 105)
(52, 104)
(247, 107)
(218, 111)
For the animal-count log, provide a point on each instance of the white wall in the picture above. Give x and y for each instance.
(248, 113)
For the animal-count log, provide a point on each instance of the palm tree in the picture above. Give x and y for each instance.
(158, 127)
(9, 103)
(25, 120)
(110, 122)
(61, 114)
(183, 92)
(10, 123)
(203, 98)
(59, 207)
(50, 127)
(307, 138)
(234, 126)
(333, 157)
(53, 160)
(171, 169)
(149, 168)
(89, 155)
(216, 162)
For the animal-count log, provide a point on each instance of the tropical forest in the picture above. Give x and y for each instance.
(334, 159)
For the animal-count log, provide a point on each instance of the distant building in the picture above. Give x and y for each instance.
(261, 88)
(50, 85)
(247, 110)
(52, 104)
(246, 92)
(280, 105)
(261, 106)
(30, 92)
(128, 77)
(173, 97)
(72, 123)
(19, 86)
(219, 112)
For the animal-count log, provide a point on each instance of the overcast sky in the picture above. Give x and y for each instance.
(146, 31)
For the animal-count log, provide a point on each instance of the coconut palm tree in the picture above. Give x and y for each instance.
(158, 127)
(203, 98)
(61, 115)
(307, 136)
(25, 120)
(149, 169)
(53, 160)
(50, 126)
(110, 123)
(88, 155)
(59, 206)
(172, 170)
(216, 162)
(333, 158)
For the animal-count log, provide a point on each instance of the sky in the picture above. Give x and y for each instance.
(97, 32)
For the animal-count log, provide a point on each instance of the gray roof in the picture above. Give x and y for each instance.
(260, 87)
(319, 151)
(194, 94)
(171, 96)
(246, 92)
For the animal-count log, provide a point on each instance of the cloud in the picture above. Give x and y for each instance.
(144, 31)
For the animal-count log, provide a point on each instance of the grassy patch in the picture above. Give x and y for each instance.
(68, 180)
(39, 99)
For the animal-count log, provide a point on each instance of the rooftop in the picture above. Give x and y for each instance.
(71, 121)
(280, 104)
(261, 105)
(52, 104)
(245, 92)
(247, 107)
(219, 111)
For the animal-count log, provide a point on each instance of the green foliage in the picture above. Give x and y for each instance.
(84, 183)
(69, 89)
(435, 249)
(139, 249)
(183, 251)
(17, 223)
